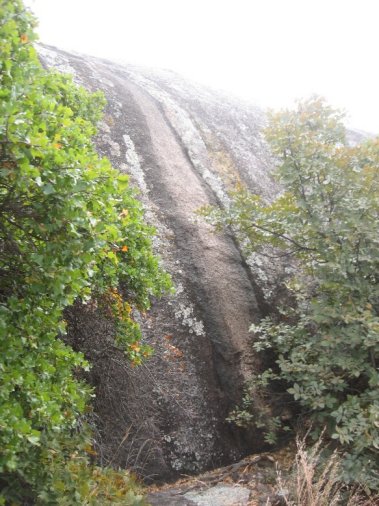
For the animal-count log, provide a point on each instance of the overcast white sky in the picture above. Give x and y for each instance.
(268, 51)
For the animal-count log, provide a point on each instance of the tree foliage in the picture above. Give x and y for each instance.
(326, 217)
(70, 228)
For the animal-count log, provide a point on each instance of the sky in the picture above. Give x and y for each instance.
(270, 52)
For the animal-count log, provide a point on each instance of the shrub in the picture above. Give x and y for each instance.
(70, 228)
(326, 219)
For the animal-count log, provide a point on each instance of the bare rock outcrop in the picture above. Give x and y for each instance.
(184, 146)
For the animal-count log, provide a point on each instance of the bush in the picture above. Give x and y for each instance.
(71, 228)
(326, 219)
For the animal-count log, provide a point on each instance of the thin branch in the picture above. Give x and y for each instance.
(283, 236)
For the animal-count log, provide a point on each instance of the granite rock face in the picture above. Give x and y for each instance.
(184, 146)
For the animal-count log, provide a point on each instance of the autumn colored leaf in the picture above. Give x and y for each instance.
(135, 347)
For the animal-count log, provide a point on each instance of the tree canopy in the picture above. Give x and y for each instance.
(326, 218)
(71, 227)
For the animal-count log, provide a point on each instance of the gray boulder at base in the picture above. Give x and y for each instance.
(219, 495)
(184, 146)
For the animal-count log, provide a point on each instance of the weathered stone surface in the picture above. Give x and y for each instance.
(184, 146)
(220, 495)
(169, 498)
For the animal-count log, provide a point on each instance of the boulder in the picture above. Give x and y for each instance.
(184, 146)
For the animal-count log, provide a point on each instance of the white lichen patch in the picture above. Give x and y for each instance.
(179, 289)
(104, 127)
(134, 164)
(185, 315)
(57, 61)
(114, 147)
(177, 464)
(266, 271)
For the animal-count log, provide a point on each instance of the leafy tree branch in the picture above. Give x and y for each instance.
(327, 218)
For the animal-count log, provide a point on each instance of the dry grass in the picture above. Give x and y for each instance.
(316, 483)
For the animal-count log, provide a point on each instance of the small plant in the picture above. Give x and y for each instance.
(315, 480)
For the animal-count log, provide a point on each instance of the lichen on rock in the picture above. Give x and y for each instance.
(182, 145)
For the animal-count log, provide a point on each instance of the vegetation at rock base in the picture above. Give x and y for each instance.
(325, 221)
(70, 228)
(314, 481)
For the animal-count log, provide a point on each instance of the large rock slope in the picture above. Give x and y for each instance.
(184, 146)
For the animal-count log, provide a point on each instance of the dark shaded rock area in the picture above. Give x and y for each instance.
(184, 146)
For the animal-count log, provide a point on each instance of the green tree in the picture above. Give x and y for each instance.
(70, 228)
(326, 218)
